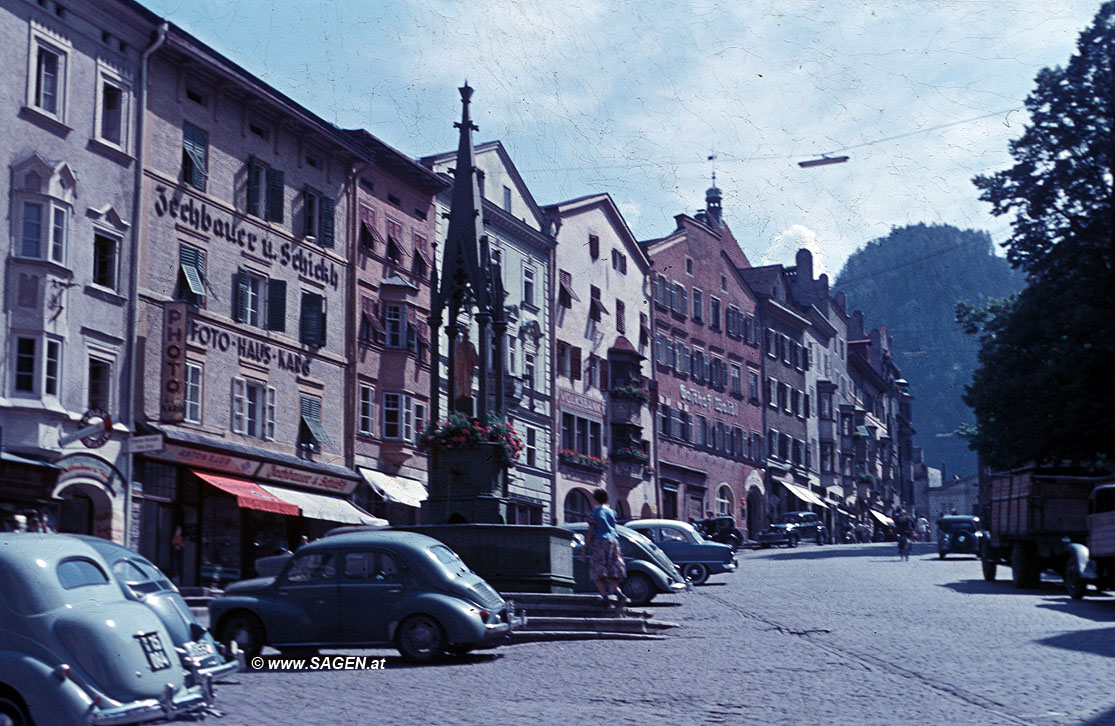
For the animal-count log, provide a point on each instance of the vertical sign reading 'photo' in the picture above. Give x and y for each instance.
(172, 405)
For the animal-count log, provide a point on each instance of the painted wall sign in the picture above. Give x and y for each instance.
(87, 466)
(706, 401)
(172, 401)
(206, 459)
(202, 218)
(569, 399)
(256, 351)
(308, 479)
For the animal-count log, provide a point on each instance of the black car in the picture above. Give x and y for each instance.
(721, 529)
(958, 534)
(794, 527)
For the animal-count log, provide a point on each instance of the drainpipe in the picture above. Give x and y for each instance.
(129, 407)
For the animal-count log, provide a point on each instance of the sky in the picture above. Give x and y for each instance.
(631, 98)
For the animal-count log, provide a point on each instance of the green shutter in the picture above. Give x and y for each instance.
(240, 298)
(313, 320)
(275, 188)
(253, 187)
(276, 305)
(325, 227)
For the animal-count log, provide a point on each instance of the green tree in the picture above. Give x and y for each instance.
(1043, 388)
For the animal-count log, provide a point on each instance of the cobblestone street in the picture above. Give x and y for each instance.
(833, 635)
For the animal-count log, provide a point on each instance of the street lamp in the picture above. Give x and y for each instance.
(824, 160)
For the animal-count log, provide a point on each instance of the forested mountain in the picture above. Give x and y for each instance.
(910, 281)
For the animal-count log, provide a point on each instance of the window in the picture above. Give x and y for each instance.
(48, 77)
(421, 255)
(619, 262)
(771, 337)
(532, 446)
(698, 306)
(714, 313)
(683, 360)
(596, 307)
(53, 367)
(372, 567)
(797, 454)
(253, 409)
(826, 405)
(528, 371)
(621, 313)
(366, 414)
(398, 416)
(689, 265)
(44, 227)
(26, 358)
(723, 283)
(318, 217)
(753, 385)
(826, 458)
(259, 302)
(192, 282)
(394, 241)
(772, 392)
(265, 191)
(195, 157)
(111, 113)
(193, 393)
(795, 402)
(311, 433)
(593, 246)
(784, 397)
(506, 199)
(577, 506)
(100, 384)
(395, 325)
(581, 435)
(528, 286)
(313, 319)
(105, 251)
(661, 292)
(702, 431)
(566, 296)
(737, 379)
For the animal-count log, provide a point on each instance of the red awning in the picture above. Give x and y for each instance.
(249, 495)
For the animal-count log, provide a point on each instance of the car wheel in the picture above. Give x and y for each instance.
(420, 639)
(987, 562)
(638, 588)
(1074, 582)
(245, 630)
(941, 554)
(13, 712)
(696, 573)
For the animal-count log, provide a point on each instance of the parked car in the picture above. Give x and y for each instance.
(365, 589)
(73, 649)
(649, 570)
(141, 581)
(695, 556)
(721, 529)
(792, 528)
(958, 534)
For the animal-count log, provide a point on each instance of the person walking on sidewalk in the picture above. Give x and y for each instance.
(605, 563)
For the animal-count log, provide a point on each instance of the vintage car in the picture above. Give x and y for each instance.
(792, 528)
(721, 529)
(73, 649)
(695, 556)
(141, 581)
(649, 570)
(366, 589)
(1094, 562)
(958, 534)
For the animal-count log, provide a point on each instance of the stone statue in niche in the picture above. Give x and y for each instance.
(464, 368)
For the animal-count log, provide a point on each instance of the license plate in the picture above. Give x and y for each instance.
(153, 648)
(200, 649)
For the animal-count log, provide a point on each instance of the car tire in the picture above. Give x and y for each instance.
(1075, 585)
(246, 630)
(638, 588)
(421, 639)
(696, 572)
(988, 564)
(941, 554)
(13, 711)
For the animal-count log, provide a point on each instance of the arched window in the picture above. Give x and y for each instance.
(577, 506)
(724, 501)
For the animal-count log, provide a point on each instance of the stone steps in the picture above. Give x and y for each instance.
(560, 616)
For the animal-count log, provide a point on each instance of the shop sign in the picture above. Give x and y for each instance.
(141, 444)
(87, 466)
(304, 478)
(584, 404)
(232, 229)
(207, 459)
(172, 402)
(256, 351)
(706, 401)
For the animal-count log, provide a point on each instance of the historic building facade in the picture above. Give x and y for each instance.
(243, 318)
(393, 220)
(69, 96)
(521, 243)
(604, 425)
(708, 368)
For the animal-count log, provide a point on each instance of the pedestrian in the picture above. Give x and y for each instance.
(904, 531)
(605, 563)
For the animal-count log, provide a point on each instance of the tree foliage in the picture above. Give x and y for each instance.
(910, 281)
(1043, 388)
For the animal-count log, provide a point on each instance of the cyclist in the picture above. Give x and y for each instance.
(904, 528)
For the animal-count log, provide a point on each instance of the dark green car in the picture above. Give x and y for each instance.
(366, 589)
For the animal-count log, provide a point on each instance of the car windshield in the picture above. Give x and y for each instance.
(452, 561)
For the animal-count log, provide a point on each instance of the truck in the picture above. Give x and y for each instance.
(1033, 514)
(1094, 561)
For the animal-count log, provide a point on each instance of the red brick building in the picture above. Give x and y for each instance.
(708, 369)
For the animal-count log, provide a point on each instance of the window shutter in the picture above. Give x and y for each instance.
(253, 187)
(239, 406)
(575, 363)
(276, 305)
(412, 329)
(269, 426)
(683, 360)
(325, 228)
(683, 299)
(240, 301)
(275, 190)
(313, 320)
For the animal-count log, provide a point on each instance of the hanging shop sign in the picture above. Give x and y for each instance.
(172, 401)
(237, 231)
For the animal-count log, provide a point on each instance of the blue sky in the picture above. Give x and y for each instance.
(630, 98)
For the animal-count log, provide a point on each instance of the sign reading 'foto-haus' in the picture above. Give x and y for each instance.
(172, 402)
